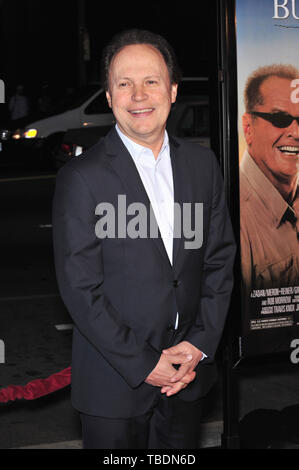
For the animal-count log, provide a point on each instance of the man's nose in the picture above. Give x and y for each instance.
(293, 130)
(139, 93)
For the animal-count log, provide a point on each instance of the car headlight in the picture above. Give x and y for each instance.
(30, 134)
(17, 134)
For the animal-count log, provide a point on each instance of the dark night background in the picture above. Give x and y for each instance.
(40, 41)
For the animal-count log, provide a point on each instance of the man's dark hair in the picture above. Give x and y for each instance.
(138, 36)
(252, 93)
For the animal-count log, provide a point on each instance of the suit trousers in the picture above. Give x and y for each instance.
(171, 424)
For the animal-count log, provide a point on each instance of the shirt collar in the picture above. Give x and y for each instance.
(140, 154)
(268, 194)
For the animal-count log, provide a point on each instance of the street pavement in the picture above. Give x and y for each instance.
(36, 347)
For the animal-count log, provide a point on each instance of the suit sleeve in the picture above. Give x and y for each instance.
(217, 276)
(80, 276)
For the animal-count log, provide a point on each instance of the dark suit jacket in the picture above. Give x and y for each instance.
(122, 293)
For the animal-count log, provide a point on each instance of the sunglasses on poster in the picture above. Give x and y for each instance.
(278, 119)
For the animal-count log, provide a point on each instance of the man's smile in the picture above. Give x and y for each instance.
(289, 150)
(141, 111)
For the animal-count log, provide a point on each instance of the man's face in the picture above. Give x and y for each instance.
(140, 93)
(275, 150)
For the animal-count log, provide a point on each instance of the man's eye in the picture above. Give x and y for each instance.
(152, 82)
(124, 84)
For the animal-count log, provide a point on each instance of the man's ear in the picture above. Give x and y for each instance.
(109, 99)
(247, 127)
(174, 91)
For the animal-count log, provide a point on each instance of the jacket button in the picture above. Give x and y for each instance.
(176, 283)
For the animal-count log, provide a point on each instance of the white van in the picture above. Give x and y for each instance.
(86, 107)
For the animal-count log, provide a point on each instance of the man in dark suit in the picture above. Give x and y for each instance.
(147, 294)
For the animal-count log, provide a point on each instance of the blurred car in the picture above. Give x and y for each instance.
(85, 107)
(189, 119)
(75, 141)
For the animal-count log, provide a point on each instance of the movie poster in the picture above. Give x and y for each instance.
(267, 36)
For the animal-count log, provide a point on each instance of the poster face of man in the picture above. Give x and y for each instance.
(275, 149)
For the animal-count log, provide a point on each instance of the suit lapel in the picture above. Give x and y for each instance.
(181, 183)
(123, 164)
